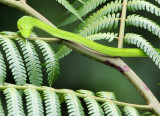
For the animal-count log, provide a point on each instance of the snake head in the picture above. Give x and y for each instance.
(25, 25)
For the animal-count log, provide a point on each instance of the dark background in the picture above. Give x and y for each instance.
(79, 72)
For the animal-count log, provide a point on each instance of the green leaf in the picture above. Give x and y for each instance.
(52, 63)
(2, 70)
(14, 102)
(34, 102)
(14, 59)
(62, 51)
(143, 5)
(130, 111)
(81, 1)
(9, 33)
(75, 4)
(139, 21)
(52, 103)
(106, 36)
(109, 8)
(1, 108)
(104, 22)
(73, 104)
(158, 1)
(83, 10)
(69, 7)
(110, 108)
(33, 64)
(106, 95)
(93, 107)
(138, 40)
(147, 114)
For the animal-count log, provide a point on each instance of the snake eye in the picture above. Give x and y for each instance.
(21, 28)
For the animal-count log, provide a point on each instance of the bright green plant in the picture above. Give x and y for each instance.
(25, 64)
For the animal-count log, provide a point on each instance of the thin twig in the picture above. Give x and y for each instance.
(122, 24)
(99, 99)
(53, 39)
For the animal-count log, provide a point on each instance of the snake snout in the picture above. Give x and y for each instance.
(25, 34)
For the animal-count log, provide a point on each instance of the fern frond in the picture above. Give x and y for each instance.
(83, 10)
(144, 45)
(93, 107)
(73, 104)
(14, 59)
(2, 70)
(75, 4)
(104, 22)
(62, 51)
(106, 95)
(143, 5)
(32, 61)
(70, 8)
(109, 8)
(81, 1)
(130, 111)
(147, 114)
(14, 102)
(106, 36)
(158, 1)
(52, 103)
(138, 21)
(111, 109)
(34, 102)
(52, 63)
(1, 108)
(9, 33)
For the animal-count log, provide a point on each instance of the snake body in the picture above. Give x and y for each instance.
(26, 24)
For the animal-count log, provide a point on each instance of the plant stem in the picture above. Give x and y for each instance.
(99, 99)
(53, 39)
(139, 85)
(122, 24)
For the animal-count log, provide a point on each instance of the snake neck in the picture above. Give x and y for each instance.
(43, 26)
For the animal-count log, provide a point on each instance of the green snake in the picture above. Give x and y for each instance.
(26, 24)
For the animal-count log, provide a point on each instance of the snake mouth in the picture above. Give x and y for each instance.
(26, 34)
